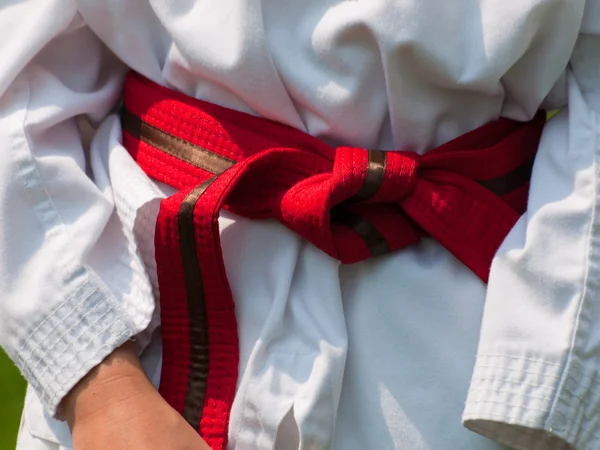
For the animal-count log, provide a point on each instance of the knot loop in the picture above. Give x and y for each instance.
(373, 176)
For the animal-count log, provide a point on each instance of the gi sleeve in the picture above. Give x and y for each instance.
(66, 291)
(536, 381)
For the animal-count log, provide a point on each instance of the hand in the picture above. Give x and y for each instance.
(116, 407)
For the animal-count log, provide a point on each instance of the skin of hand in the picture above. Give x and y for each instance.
(116, 407)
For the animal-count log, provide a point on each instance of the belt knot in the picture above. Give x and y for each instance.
(373, 176)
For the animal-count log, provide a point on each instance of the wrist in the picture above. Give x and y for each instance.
(119, 378)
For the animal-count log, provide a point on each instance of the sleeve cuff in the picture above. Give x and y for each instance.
(70, 341)
(529, 403)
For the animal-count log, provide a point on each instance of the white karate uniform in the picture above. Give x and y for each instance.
(406, 351)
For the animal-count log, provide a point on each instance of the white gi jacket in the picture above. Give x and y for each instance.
(405, 351)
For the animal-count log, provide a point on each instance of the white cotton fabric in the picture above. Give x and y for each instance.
(407, 351)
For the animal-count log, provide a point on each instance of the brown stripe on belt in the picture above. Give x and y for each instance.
(374, 240)
(507, 183)
(198, 326)
(374, 176)
(174, 146)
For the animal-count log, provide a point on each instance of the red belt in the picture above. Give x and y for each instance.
(350, 202)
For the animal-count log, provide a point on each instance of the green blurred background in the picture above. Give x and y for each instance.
(12, 391)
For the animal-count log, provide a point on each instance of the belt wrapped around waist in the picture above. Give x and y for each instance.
(351, 203)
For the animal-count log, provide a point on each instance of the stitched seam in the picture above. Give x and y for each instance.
(111, 343)
(500, 355)
(76, 337)
(566, 387)
(511, 405)
(66, 332)
(506, 391)
(574, 370)
(585, 290)
(50, 316)
(506, 380)
(36, 379)
(531, 372)
(526, 408)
